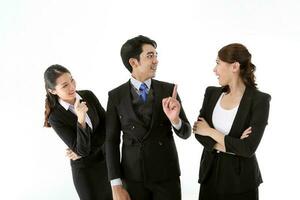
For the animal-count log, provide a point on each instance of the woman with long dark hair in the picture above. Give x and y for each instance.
(230, 126)
(79, 120)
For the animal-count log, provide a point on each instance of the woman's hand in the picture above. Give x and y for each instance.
(80, 110)
(201, 127)
(246, 133)
(70, 154)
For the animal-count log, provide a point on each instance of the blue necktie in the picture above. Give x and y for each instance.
(143, 92)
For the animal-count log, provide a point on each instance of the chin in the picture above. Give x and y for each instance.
(152, 75)
(71, 97)
(222, 84)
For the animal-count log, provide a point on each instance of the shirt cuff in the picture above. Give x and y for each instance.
(177, 126)
(115, 182)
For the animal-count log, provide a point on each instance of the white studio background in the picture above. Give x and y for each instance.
(86, 36)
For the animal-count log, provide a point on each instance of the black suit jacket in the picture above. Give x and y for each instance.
(85, 142)
(153, 158)
(239, 172)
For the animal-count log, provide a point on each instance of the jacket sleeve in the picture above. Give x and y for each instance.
(207, 142)
(185, 130)
(258, 121)
(112, 142)
(81, 144)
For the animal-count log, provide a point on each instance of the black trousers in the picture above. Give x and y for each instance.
(208, 189)
(207, 193)
(165, 190)
(91, 183)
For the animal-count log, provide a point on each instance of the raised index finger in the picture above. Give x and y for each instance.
(174, 94)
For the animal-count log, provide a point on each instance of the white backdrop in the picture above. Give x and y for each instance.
(86, 36)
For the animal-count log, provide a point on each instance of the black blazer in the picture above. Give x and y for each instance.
(85, 142)
(239, 172)
(153, 158)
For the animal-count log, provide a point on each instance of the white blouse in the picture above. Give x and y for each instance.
(222, 118)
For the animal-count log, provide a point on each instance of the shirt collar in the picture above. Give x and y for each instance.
(66, 105)
(137, 83)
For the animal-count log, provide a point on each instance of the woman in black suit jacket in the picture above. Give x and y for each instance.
(79, 120)
(230, 126)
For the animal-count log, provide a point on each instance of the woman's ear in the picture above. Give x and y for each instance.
(52, 91)
(236, 66)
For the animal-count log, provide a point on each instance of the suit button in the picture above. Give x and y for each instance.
(133, 127)
(160, 143)
(121, 116)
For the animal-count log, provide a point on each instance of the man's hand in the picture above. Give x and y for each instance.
(171, 107)
(119, 193)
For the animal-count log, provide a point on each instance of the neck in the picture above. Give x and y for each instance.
(139, 77)
(237, 87)
(72, 102)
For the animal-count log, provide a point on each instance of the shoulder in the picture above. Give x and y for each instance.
(119, 89)
(56, 115)
(89, 96)
(85, 93)
(163, 85)
(261, 96)
(212, 89)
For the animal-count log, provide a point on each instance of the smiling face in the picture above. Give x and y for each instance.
(65, 88)
(224, 72)
(145, 67)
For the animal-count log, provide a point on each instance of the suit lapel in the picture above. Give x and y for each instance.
(156, 106)
(67, 115)
(212, 103)
(126, 102)
(157, 98)
(242, 113)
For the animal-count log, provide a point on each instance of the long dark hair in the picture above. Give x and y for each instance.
(239, 53)
(51, 74)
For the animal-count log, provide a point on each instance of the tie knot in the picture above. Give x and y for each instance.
(143, 87)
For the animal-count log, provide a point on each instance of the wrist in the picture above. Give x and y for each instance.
(82, 123)
(175, 121)
(117, 188)
(210, 132)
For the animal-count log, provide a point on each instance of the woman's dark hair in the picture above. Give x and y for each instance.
(239, 53)
(51, 74)
(132, 48)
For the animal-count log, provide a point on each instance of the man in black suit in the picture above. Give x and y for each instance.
(145, 110)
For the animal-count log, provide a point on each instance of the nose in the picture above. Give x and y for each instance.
(155, 60)
(73, 86)
(215, 69)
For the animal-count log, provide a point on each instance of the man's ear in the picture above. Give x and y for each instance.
(133, 62)
(236, 66)
(52, 91)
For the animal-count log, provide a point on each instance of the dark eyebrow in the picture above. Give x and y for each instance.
(151, 52)
(64, 83)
